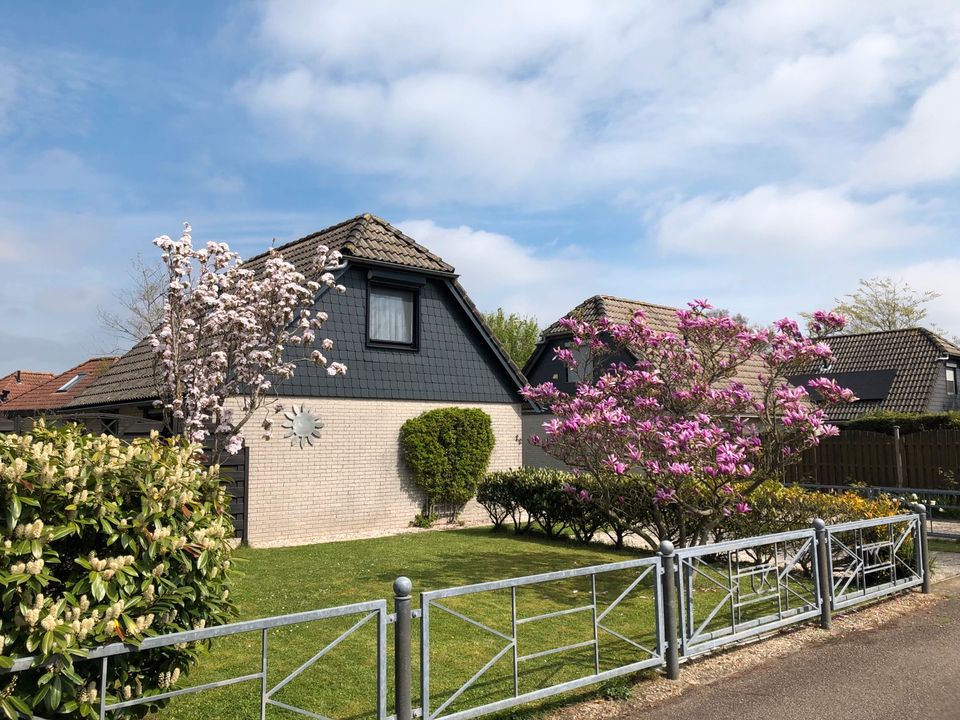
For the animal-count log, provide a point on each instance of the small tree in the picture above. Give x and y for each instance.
(226, 333)
(448, 451)
(677, 434)
(138, 308)
(883, 303)
(518, 334)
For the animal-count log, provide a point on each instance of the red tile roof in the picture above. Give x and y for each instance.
(56, 391)
(20, 381)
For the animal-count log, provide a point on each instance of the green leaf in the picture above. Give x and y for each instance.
(98, 588)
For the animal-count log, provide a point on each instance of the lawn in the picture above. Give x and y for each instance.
(341, 685)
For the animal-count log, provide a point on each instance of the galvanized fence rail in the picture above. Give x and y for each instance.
(725, 593)
(749, 587)
(653, 656)
(368, 610)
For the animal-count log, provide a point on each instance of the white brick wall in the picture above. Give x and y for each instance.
(353, 481)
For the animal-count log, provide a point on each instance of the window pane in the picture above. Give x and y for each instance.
(391, 315)
(951, 381)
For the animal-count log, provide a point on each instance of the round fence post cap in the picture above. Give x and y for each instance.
(402, 586)
(666, 547)
(919, 507)
(819, 525)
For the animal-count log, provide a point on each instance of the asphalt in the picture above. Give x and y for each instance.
(906, 668)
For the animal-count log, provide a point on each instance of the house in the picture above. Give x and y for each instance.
(412, 341)
(14, 385)
(912, 370)
(49, 394)
(543, 367)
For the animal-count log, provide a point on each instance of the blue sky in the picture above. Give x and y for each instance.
(765, 155)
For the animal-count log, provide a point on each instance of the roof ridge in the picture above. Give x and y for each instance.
(636, 302)
(309, 236)
(400, 235)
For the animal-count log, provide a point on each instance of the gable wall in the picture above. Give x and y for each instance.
(453, 364)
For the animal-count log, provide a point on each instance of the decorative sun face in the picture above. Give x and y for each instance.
(301, 426)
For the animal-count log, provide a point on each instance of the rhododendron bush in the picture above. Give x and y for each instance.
(686, 434)
(100, 542)
(227, 332)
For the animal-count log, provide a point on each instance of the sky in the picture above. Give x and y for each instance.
(764, 154)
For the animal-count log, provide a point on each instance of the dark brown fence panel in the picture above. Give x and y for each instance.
(931, 460)
(233, 469)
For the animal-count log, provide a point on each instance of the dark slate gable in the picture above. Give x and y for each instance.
(453, 362)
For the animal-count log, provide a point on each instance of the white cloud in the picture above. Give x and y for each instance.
(939, 276)
(769, 220)
(544, 102)
(498, 271)
(926, 149)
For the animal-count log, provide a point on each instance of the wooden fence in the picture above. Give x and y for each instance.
(928, 459)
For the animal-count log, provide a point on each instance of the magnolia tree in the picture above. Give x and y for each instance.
(226, 334)
(675, 442)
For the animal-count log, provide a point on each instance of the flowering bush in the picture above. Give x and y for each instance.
(226, 333)
(101, 542)
(779, 508)
(448, 450)
(680, 425)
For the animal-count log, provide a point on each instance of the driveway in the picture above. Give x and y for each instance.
(906, 668)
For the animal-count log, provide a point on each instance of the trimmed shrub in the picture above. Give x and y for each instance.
(883, 422)
(101, 541)
(448, 451)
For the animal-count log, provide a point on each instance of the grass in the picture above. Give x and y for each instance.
(342, 684)
(943, 545)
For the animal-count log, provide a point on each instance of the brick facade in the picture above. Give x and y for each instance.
(353, 481)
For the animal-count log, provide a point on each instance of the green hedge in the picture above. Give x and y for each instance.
(448, 451)
(909, 422)
(101, 541)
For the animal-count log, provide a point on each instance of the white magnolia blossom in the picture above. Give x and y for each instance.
(226, 331)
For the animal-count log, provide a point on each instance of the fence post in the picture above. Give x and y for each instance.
(921, 510)
(824, 584)
(402, 587)
(898, 450)
(668, 585)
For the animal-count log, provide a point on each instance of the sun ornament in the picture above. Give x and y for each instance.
(301, 426)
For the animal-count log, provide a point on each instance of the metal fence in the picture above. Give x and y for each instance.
(633, 575)
(633, 615)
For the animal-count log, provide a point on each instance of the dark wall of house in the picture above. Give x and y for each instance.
(546, 369)
(940, 401)
(453, 362)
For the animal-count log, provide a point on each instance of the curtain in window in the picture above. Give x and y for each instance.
(391, 315)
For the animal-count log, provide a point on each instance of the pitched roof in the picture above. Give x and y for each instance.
(365, 237)
(19, 382)
(58, 390)
(910, 353)
(620, 311)
(661, 318)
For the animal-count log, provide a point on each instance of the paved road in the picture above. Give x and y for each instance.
(909, 668)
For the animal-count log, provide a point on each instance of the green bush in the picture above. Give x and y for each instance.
(101, 541)
(448, 451)
(556, 500)
(909, 422)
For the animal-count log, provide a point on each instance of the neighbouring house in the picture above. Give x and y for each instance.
(13, 386)
(912, 370)
(49, 394)
(412, 341)
(544, 367)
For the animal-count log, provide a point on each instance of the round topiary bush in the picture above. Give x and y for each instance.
(448, 451)
(103, 541)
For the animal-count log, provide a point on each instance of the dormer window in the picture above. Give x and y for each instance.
(71, 382)
(951, 380)
(392, 315)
